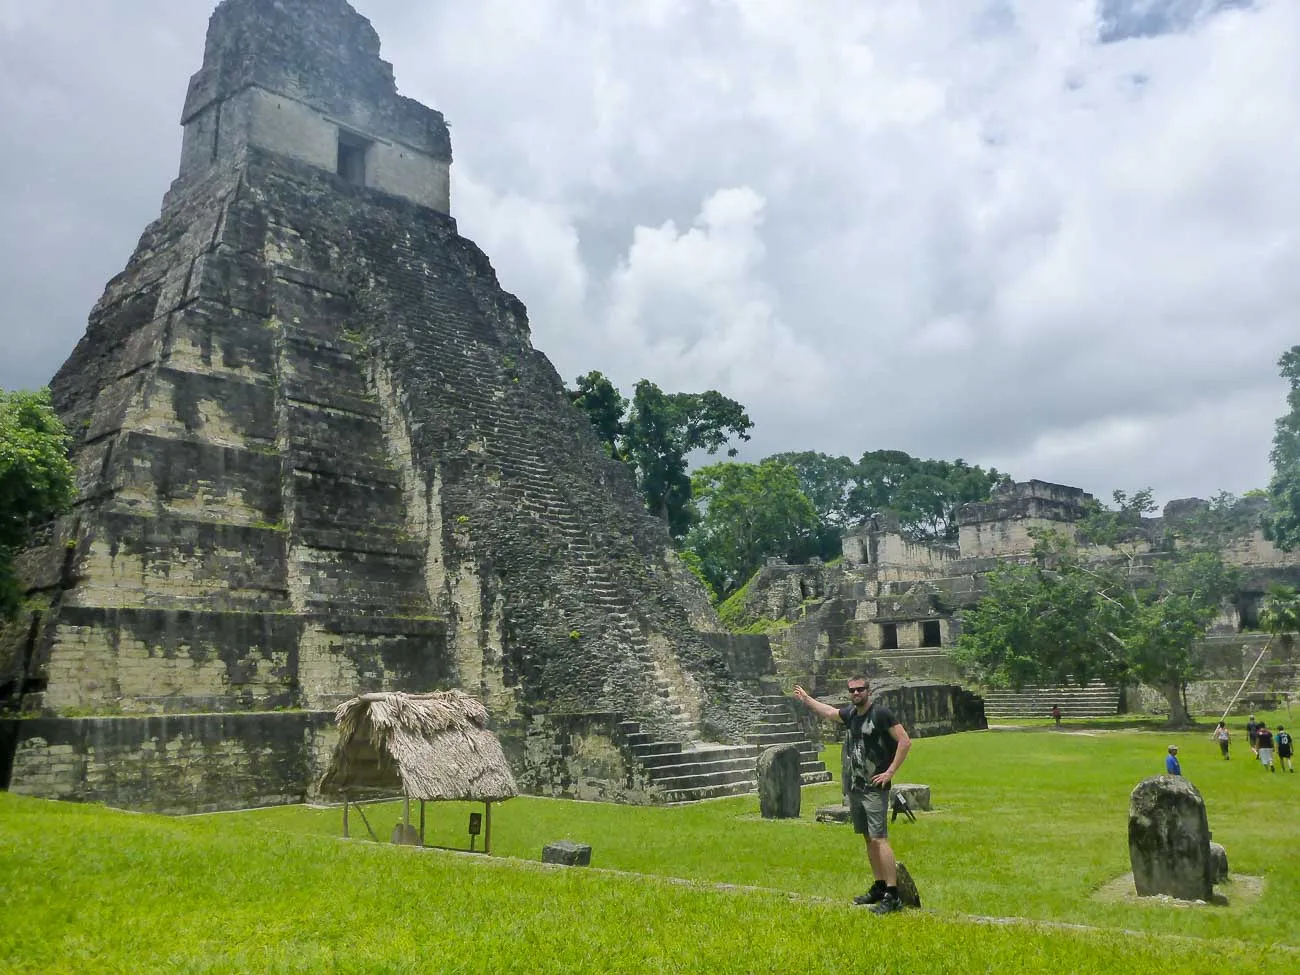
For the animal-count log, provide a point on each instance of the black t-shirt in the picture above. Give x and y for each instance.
(868, 746)
(1284, 743)
(1264, 738)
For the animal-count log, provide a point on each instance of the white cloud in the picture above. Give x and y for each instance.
(955, 227)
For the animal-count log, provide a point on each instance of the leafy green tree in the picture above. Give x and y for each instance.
(1280, 614)
(1068, 616)
(657, 432)
(1282, 524)
(748, 512)
(826, 482)
(923, 494)
(35, 478)
(596, 396)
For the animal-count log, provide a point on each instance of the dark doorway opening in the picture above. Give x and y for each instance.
(931, 634)
(1248, 612)
(888, 636)
(352, 157)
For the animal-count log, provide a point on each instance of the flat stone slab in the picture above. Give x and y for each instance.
(568, 853)
(833, 814)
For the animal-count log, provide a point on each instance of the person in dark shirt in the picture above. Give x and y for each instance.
(1264, 746)
(875, 745)
(1284, 748)
(1252, 730)
(1056, 714)
(1171, 762)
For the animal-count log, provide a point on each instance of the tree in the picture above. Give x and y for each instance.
(826, 482)
(923, 494)
(604, 405)
(748, 512)
(1282, 524)
(1280, 614)
(1070, 617)
(35, 478)
(658, 434)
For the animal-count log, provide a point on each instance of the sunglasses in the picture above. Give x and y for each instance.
(857, 690)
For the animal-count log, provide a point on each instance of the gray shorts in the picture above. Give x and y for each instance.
(870, 812)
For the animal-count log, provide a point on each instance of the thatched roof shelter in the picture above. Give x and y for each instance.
(424, 746)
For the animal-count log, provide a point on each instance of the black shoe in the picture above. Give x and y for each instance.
(872, 896)
(888, 904)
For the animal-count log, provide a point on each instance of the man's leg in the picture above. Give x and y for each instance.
(862, 824)
(883, 864)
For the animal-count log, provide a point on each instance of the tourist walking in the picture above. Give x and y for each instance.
(1284, 748)
(1264, 746)
(1056, 714)
(875, 745)
(1220, 734)
(1171, 762)
(1252, 730)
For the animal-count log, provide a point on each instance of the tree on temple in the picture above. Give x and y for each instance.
(657, 432)
(747, 512)
(35, 478)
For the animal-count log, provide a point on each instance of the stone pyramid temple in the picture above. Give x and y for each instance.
(317, 455)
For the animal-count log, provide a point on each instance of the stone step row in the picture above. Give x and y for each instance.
(1096, 699)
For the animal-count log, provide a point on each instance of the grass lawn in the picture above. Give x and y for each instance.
(1027, 825)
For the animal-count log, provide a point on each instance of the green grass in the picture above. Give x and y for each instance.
(1026, 825)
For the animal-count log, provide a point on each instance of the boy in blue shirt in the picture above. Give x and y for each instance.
(1171, 762)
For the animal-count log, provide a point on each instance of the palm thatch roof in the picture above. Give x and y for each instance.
(427, 746)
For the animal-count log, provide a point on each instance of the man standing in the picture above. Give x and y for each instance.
(1252, 730)
(1171, 762)
(875, 745)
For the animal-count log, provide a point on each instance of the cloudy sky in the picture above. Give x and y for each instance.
(1061, 237)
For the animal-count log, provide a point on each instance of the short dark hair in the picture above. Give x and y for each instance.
(858, 677)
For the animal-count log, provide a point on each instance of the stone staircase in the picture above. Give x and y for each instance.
(537, 495)
(1094, 700)
(779, 727)
(687, 772)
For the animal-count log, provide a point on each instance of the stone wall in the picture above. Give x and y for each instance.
(579, 756)
(171, 764)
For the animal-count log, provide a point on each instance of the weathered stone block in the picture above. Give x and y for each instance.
(1169, 839)
(1218, 863)
(917, 796)
(833, 814)
(779, 784)
(568, 853)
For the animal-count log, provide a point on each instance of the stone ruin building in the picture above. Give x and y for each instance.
(892, 608)
(317, 455)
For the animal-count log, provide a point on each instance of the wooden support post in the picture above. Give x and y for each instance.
(487, 828)
(406, 816)
(345, 817)
(422, 822)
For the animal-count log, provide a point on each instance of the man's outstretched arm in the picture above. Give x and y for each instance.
(824, 711)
